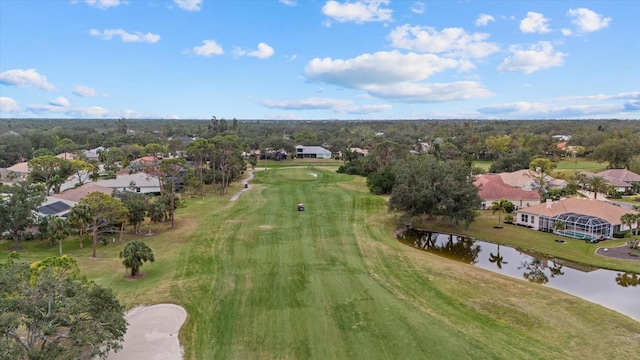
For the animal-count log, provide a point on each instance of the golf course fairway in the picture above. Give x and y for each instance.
(261, 280)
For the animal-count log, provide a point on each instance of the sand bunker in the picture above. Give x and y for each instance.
(152, 333)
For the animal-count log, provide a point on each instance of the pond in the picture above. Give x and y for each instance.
(616, 290)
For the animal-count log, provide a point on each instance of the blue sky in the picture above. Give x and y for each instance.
(306, 59)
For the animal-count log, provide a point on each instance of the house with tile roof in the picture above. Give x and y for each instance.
(16, 172)
(526, 179)
(581, 218)
(492, 188)
(76, 194)
(622, 179)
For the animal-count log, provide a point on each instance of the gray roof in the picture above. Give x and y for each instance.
(140, 179)
(313, 149)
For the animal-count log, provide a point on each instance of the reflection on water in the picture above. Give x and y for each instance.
(615, 290)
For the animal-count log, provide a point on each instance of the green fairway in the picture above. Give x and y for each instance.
(261, 280)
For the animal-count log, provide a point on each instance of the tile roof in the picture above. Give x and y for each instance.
(80, 192)
(491, 187)
(21, 167)
(602, 209)
(620, 175)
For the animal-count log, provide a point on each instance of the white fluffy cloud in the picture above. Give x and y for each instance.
(537, 57)
(101, 4)
(8, 105)
(60, 102)
(378, 68)
(207, 49)
(417, 7)
(84, 91)
(534, 23)
(360, 12)
(108, 34)
(451, 41)
(415, 92)
(25, 78)
(189, 5)
(263, 51)
(484, 20)
(587, 20)
(394, 75)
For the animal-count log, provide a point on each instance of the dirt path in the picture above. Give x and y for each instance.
(245, 185)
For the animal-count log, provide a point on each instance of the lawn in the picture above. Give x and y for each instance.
(568, 166)
(261, 280)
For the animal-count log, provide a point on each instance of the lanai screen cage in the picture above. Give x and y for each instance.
(578, 226)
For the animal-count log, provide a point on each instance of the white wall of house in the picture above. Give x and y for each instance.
(527, 219)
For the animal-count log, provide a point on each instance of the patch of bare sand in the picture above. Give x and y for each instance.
(152, 333)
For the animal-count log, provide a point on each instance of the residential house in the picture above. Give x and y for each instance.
(54, 206)
(312, 152)
(272, 154)
(579, 218)
(526, 179)
(622, 180)
(359, 151)
(16, 172)
(76, 194)
(93, 154)
(491, 188)
(138, 182)
(67, 156)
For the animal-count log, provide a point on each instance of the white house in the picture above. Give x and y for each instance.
(312, 152)
(582, 218)
(138, 182)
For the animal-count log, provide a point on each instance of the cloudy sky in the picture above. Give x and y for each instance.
(318, 59)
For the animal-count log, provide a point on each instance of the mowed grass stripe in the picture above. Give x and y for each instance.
(291, 284)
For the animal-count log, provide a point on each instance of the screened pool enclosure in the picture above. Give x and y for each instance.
(577, 226)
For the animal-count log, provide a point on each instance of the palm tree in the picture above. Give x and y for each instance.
(597, 184)
(628, 220)
(497, 259)
(500, 207)
(80, 217)
(135, 254)
(59, 229)
(560, 225)
(581, 179)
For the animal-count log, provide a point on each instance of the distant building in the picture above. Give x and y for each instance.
(622, 179)
(93, 154)
(526, 179)
(312, 152)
